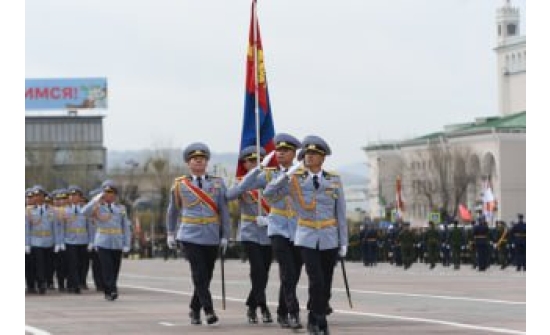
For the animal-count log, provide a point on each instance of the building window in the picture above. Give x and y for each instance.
(511, 30)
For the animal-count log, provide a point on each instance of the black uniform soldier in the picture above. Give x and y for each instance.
(481, 238)
(432, 244)
(456, 241)
(501, 244)
(406, 240)
(445, 246)
(519, 239)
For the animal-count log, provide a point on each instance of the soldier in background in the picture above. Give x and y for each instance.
(445, 246)
(406, 241)
(59, 260)
(481, 238)
(456, 241)
(30, 276)
(432, 240)
(198, 203)
(519, 239)
(371, 241)
(112, 235)
(43, 236)
(501, 244)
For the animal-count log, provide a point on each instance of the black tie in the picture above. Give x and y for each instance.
(75, 209)
(199, 182)
(316, 182)
(41, 210)
(110, 207)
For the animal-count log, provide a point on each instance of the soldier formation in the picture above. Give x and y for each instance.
(298, 218)
(473, 243)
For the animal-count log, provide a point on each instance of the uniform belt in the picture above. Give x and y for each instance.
(205, 220)
(76, 230)
(480, 236)
(371, 239)
(283, 212)
(249, 218)
(110, 231)
(41, 233)
(317, 224)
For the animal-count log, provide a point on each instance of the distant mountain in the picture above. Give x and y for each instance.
(352, 174)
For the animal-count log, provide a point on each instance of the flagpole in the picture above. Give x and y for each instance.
(256, 96)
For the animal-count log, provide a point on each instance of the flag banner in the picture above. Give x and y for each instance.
(489, 201)
(464, 213)
(256, 88)
(399, 203)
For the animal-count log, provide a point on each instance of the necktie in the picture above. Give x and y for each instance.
(41, 210)
(316, 181)
(110, 207)
(76, 209)
(199, 182)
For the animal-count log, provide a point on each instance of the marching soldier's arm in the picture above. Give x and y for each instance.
(58, 230)
(90, 229)
(27, 228)
(341, 217)
(249, 182)
(90, 206)
(172, 213)
(223, 208)
(278, 187)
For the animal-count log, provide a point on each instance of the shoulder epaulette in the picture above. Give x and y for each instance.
(271, 168)
(180, 178)
(333, 173)
(300, 171)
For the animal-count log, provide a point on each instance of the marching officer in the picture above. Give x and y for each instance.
(78, 234)
(43, 236)
(253, 235)
(59, 260)
(501, 244)
(406, 241)
(198, 201)
(30, 277)
(92, 252)
(371, 245)
(445, 245)
(112, 234)
(519, 239)
(322, 230)
(281, 227)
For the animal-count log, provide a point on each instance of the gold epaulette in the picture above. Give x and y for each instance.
(180, 178)
(301, 170)
(333, 174)
(271, 168)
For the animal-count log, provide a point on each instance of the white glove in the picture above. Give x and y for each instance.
(223, 245)
(293, 169)
(126, 249)
(57, 248)
(98, 196)
(262, 221)
(513, 245)
(267, 159)
(462, 247)
(343, 251)
(90, 247)
(171, 241)
(27, 249)
(62, 247)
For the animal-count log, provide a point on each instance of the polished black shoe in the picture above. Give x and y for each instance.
(283, 321)
(251, 315)
(266, 315)
(114, 295)
(195, 317)
(212, 319)
(294, 321)
(108, 297)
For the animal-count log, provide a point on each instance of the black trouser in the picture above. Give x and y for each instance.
(520, 256)
(41, 257)
(290, 268)
(30, 276)
(456, 255)
(96, 271)
(372, 252)
(202, 259)
(77, 257)
(482, 248)
(320, 269)
(259, 258)
(110, 267)
(60, 268)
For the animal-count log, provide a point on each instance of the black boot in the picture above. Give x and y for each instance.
(294, 321)
(252, 316)
(195, 317)
(266, 315)
(283, 321)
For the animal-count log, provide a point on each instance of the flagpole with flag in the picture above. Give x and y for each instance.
(258, 126)
(399, 204)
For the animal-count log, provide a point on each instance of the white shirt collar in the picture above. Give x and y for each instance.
(318, 174)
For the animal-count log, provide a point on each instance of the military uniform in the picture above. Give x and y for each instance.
(43, 236)
(481, 240)
(78, 233)
(281, 230)
(199, 203)
(432, 244)
(406, 241)
(92, 252)
(321, 232)
(445, 246)
(253, 236)
(59, 259)
(519, 238)
(456, 240)
(501, 244)
(30, 277)
(112, 235)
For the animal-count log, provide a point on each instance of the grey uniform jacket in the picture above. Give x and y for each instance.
(112, 225)
(42, 227)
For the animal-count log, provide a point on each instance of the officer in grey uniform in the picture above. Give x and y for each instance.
(43, 235)
(322, 232)
(198, 202)
(92, 252)
(281, 227)
(30, 277)
(112, 235)
(78, 234)
(59, 260)
(252, 234)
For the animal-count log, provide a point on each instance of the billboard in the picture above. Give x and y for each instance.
(66, 94)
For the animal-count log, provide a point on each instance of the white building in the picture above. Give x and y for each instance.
(491, 148)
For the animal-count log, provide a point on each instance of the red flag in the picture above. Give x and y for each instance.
(399, 203)
(255, 73)
(464, 213)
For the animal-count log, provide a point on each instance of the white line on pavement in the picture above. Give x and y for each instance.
(35, 331)
(374, 315)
